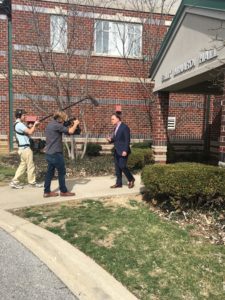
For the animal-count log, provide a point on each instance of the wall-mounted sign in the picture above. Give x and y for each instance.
(190, 64)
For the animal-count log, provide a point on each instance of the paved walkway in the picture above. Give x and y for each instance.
(36, 262)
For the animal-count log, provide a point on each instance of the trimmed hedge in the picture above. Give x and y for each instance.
(139, 158)
(92, 166)
(186, 184)
(93, 149)
(143, 145)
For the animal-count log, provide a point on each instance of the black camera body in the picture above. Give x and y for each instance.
(37, 145)
(69, 123)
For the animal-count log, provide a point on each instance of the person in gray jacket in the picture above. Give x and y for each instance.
(54, 153)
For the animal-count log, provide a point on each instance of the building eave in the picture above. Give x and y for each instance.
(204, 4)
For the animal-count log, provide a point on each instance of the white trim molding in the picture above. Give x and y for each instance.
(3, 53)
(41, 10)
(36, 49)
(59, 11)
(18, 72)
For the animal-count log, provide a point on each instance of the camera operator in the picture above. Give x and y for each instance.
(54, 153)
(23, 134)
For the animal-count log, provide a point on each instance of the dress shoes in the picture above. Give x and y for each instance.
(67, 194)
(50, 194)
(131, 184)
(116, 186)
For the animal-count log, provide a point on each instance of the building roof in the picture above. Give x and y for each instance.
(205, 4)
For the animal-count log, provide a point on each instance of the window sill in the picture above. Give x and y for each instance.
(117, 56)
(59, 51)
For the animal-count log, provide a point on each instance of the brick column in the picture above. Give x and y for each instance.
(222, 135)
(159, 112)
(4, 108)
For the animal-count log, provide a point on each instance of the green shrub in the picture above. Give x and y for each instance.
(143, 145)
(186, 184)
(93, 149)
(92, 166)
(139, 158)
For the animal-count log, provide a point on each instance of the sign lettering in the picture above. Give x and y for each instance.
(190, 64)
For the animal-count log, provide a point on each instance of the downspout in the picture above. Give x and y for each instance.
(10, 78)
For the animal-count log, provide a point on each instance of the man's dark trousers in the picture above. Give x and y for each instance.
(121, 167)
(55, 161)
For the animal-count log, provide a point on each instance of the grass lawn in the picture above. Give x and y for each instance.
(6, 173)
(154, 258)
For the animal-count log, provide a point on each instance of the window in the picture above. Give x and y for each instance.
(117, 38)
(58, 29)
(171, 123)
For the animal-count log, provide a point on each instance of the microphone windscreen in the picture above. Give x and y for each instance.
(93, 101)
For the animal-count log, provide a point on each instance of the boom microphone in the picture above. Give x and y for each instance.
(93, 101)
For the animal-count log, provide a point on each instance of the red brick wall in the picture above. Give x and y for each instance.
(189, 113)
(222, 132)
(4, 114)
(215, 117)
(132, 96)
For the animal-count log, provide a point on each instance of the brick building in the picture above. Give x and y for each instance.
(63, 50)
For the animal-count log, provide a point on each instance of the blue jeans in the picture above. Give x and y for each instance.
(55, 161)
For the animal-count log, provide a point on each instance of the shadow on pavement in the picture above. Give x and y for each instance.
(70, 183)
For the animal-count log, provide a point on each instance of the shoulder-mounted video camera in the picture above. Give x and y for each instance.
(69, 123)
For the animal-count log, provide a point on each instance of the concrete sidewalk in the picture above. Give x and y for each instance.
(94, 187)
(84, 278)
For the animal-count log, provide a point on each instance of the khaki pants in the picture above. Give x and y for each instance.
(26, 164)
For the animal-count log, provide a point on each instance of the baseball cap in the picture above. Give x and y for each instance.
(20, 112)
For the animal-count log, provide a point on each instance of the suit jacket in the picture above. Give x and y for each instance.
(122, 139)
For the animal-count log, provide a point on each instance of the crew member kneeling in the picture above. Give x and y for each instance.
(54, 153)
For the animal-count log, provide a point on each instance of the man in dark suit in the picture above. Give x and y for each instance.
(121, 140)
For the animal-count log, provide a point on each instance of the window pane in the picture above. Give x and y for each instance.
(102, 37)
(58, 28)
(134, 40)
(105, 42)
(105, 25)
(98, 37)
(117, 38)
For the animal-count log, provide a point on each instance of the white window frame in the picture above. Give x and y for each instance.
(117, 36)
(58, 33)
